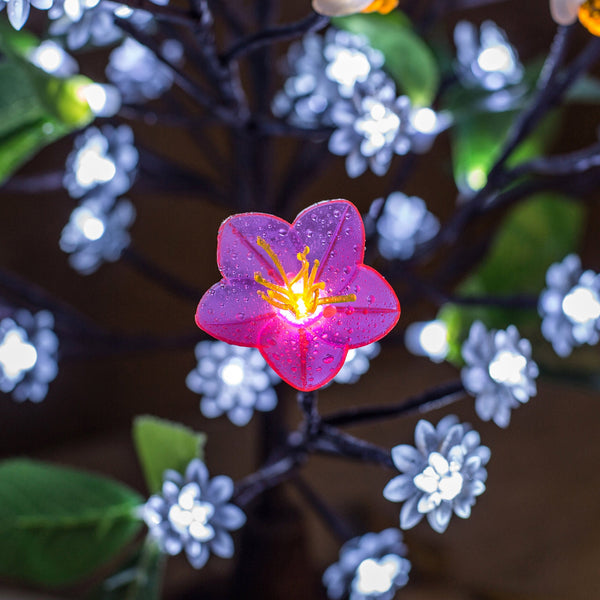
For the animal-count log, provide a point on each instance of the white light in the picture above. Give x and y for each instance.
(494, 59)
(192, 518)
(349, 67)
(122, 11)
(378, 111)
(476, 178)
(90, 3)
(48, 56)
(434, 339)
(581, 305)
(95, 96)
(351, 355)
(507, 367)
(233, 372)
(73, 9)
(16, 354)
(89, 224)
(376, 577)
(91, 168)
(424, 120)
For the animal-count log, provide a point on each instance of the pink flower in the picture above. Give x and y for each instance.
(303, 318)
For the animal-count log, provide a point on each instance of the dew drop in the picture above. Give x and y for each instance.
(240, 316)
(329, 311)
(370, 299)
(328, 359)
(337, 213)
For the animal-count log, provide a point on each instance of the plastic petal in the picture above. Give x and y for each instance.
(374, 313)
(440, 517)
(338, 8)
(18, 11)
(219, 489)
(222, 544)
(334, 232)
(298, 356)
(407, 459)
(409, 515)
(399, 488)
(239, 255)
(229, 516)
(232, 311)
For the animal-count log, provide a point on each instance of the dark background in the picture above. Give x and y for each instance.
(534, 533)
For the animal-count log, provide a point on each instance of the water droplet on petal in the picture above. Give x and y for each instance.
(328, 359)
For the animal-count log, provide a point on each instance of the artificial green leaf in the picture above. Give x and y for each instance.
(162, 445)
(535, 234)
(408, 59)
(36, 108)
(140, 578)
(57, 524)
(586, 90)
(477, 142)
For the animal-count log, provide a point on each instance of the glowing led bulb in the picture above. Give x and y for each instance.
(428, 338)
(232, 372)
(507, 367)
(495, 58)
(92, 168)
(89, 224)
(16, 354)
(581, 305)
(376, 576)
(49, 56)
(424, 120)
(349, 67)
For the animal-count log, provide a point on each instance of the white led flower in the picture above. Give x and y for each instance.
(193, 514)
(93, 21)
(570, 306)
(370, 567)
(138, 73)
(442, 475)
(486, 58)
(499, 371)
(97, 232)
(232, 380)
(102, 161)
(28, 350)
(404, 223)
(18, 10)
(357, 363)
(321, 70)
(428, 338)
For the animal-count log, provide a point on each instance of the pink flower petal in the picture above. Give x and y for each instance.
(298, 356)
(334, 232)
(238, 254)
(233, 312)
(369, 318)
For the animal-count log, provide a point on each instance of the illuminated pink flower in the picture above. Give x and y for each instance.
(303, 318)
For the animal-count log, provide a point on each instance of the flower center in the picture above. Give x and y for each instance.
(300, 295)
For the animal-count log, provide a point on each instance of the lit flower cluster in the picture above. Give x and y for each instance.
(52, 58)
(324, 69)
(499, 371)
(28, 353)
(193, 514)
(97, 232)
(337, 81)
(92, 22)
(138, 73)
(566, 12)
(370, 567)
(443, 474)
(570, 306)
(102, 161)
(18, 10)
(486, 58)
(357, 363)
(404, 223)
(232, 380)
(375, 123)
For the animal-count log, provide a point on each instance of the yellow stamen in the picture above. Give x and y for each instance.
(381, 6)
(589, 15)
(299, 295)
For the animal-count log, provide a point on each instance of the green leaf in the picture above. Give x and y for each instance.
(140, 578)
(162, 445)
(534, 235)
(408, 59)
(36, 108)
(586, 90)
(478, 140)
(57, 524)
